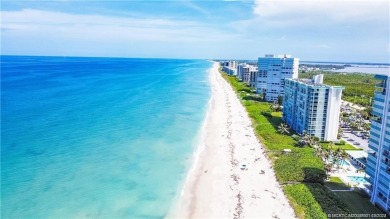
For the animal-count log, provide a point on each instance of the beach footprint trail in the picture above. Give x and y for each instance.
(232, 178)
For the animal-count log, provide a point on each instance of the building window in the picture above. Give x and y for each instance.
(381, 196)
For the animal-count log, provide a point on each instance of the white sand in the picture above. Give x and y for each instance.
(216, 186)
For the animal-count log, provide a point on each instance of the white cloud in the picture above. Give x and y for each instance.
(97, 27)
(300, 12)
(318, 20)
(37, 32)
(297, 27)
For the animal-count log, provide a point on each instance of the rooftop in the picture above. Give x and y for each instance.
(315, 82)
(382, 77)
(309, 82)
(357, 153)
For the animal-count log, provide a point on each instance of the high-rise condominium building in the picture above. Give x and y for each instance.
(313, 107)
(378, 160)
(247, 73)
(272, 70)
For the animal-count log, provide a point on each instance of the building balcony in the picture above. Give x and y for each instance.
(371, 162)
(386, 161)
(372, 152)
(370, 171)
(380, 84)
(377, 112)
(369, 179)
(383, 199)
(386, 153)
(379, 98)
(380, 90)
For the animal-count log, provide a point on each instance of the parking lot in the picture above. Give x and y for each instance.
(348, 136)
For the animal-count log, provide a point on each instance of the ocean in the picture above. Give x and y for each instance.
(98, 137)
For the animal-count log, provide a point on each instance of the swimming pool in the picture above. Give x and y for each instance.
(343, 163)
(357, 179)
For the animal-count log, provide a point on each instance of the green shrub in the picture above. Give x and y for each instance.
(316, 200)
(299, 167)
(296, 137)
(329, 202)
(266, 113)
(300, 195)
(341, 142)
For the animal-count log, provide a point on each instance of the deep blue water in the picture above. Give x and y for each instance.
(97, 137)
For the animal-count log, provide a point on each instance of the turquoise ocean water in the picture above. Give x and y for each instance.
(97, 137)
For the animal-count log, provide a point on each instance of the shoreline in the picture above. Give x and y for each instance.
(230, 176)
(180, 204)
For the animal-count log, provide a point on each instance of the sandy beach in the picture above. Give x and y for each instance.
(230, 177)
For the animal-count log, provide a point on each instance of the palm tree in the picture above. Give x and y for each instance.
(337, 160)
(328, 168)
(366, 127)
(340, 133)
(308, 140)
(283, 129)
(331, 145)
(263, 93)
(354, 125)
(344, 155)
(327, 154)
(326, 158)
(364, 114)
(314, 141)
(319, 152)
(275, 107)
(304, 139)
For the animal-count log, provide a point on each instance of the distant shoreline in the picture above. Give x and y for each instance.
(346, 63)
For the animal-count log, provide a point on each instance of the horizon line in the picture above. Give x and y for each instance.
(128, 57)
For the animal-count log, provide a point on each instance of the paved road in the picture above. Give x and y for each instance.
(363, 142)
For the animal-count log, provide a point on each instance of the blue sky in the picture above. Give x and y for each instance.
(320, 30)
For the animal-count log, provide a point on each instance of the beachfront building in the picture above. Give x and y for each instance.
(247, 73)
(378, 160)
(312, 107)
(252, 77)
(230, 67)
(240, 70)
(272, 70)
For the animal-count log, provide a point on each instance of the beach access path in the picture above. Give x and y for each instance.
(231, 176)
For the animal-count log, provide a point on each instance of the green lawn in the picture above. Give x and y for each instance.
(346, 147)
(359, 203)
(343, 147)
(335, 183)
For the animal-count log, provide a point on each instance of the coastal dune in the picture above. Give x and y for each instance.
(231, 176)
